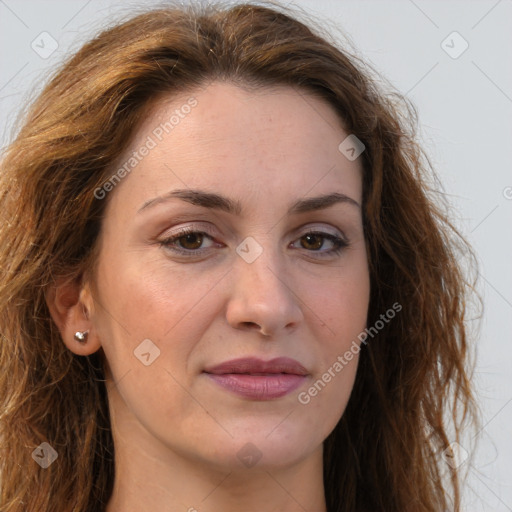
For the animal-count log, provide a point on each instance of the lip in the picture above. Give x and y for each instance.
(257, 379)
(254, 365)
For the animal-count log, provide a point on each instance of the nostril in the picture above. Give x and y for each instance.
(250, 324)
(253, 325)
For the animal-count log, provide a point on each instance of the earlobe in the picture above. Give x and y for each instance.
(81, 336)
(70, 304)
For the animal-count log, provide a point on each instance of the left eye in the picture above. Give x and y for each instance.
(188, 242)
(314, 240)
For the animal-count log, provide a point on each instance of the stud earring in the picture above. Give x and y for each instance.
(81, 336)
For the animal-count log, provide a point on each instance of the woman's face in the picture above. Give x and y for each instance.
(261, 279)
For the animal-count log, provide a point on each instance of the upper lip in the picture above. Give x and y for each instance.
(253, 365)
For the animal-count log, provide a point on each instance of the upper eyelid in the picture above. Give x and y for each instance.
(198, 227)
(308, 230)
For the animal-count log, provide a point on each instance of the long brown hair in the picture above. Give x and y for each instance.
(412, 396)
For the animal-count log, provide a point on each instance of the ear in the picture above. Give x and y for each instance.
(71, 306)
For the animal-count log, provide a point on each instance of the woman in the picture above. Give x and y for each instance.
(224, 282)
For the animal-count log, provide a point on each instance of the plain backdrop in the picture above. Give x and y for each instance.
(453, 60)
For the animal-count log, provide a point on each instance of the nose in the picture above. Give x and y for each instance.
(262, 297)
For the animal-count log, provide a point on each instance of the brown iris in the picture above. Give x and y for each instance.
(190, 239)
(310, 237)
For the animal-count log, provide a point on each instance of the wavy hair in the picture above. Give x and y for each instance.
(412, 395)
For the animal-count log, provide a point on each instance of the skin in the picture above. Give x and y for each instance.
(176, 433)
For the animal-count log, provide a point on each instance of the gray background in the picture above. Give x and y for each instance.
(465, 107)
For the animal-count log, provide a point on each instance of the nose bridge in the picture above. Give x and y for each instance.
(260, 264)
(261, 293)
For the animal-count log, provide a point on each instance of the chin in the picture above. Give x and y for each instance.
(263, 445)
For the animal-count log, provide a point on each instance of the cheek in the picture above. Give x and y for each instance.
(342, 303)
(152, 300)
(327, 395)
(343, 309)
(143, 301)
(152, 296)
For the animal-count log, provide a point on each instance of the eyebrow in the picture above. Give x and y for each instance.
(219, 202)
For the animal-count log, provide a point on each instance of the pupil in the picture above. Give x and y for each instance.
(318, 238)
(189, 239)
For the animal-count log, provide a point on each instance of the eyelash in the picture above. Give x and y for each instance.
(339, 243)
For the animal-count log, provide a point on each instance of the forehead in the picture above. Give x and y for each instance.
(226, 137)
(237, 112)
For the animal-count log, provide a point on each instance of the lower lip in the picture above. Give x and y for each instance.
(258, 387)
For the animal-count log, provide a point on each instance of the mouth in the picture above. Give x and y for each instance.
(255, 379)
(255, 366)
